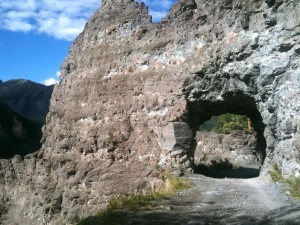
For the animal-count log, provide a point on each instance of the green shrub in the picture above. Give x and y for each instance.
(234, 126)
(230, 121)
(276, 174)
(112, 140)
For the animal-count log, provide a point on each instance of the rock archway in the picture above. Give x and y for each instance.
(234, 102)
(231, 102)
(207, 96)
(203, 104)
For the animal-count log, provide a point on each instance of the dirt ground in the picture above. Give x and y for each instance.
(219, 201)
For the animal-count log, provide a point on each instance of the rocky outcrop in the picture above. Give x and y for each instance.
(30, 100)
(239, 147)
(133, 94)
(18, 136)
(229, 154)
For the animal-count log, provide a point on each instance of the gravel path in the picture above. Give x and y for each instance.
(220, 201)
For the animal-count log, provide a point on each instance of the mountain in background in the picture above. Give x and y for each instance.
(29, 99)
(18, 135)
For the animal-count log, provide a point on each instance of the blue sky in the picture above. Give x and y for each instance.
(35, 35)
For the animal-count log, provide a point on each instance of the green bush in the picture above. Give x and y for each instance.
(231, 122)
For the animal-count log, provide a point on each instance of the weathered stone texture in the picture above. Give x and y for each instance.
(133, 93)
(238, 147)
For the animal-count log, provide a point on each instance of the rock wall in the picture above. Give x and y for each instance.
(238, 147)
(133, 93)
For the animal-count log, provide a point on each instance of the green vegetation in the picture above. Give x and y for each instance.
(132, 202)
(175, 184)
(157, 167)
(227, 122)
(276, 174)
(294, 187)
(112, 140)
(292, 184)
(231, 122)
(129, 202)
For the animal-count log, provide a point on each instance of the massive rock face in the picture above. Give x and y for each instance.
(29, 99)
(133, 94)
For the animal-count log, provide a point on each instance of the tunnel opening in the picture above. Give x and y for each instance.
(236, 151)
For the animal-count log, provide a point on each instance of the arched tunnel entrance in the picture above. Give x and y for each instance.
(219, 162)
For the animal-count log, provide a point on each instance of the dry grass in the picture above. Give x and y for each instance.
(174, 184)
(292, 184)
(130, 202)
(293, 187)
(276, 174)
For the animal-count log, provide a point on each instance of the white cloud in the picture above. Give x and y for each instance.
(62, 19)
(18, 25)
(157, 15)
(50, 81)
(58, 73)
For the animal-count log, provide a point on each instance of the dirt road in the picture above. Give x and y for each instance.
(220, 201)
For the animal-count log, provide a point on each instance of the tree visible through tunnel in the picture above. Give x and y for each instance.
(228, 137)
(226, 146)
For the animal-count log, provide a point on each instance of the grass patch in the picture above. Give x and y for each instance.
(276, 174)
(131, 202)
(175, 184)
(293, 187)
(292, 184)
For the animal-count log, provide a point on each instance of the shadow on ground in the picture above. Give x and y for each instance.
(281, 216)
(220, 171)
